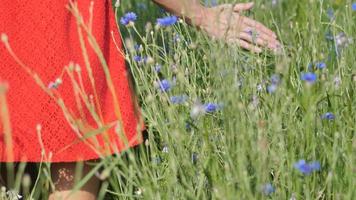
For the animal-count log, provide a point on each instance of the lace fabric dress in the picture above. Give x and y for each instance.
(44, 36)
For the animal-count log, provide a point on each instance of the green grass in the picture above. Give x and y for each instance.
(256, 137)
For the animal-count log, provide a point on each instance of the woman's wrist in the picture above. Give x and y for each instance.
(192, 11)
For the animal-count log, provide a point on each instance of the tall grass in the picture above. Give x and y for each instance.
(248, 147)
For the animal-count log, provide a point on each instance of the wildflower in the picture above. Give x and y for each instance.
(307, 168)
(320, 65)
(211, 107)
(138, 192)
(137, 58)
(337, 81)
(272, 88)
(117, 3)
(158, 68)
(275, 79)
(167, 21)
(176, 38)
(353, 6)
(128, 18)
(165, 149)
(178, 99)
(268, 189)
(138, 47)
(13, 195)
(342, 40)
(293, 197)
(309, 77)
(259, 87)
(330, 13)
(328, 116)
(164, 85)
(148, 60)
(26, 180)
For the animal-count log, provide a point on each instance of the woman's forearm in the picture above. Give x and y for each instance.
(191, 10)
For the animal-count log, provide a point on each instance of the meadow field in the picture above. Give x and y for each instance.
(225, 123)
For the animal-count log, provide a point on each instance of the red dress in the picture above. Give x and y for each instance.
(44, 36)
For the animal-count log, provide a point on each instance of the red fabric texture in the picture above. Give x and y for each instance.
(44, 35)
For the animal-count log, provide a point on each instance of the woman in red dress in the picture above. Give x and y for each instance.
(42, 39)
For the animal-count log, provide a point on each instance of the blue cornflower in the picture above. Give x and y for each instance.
(320, 65)
(328, 116)
(167, 21)
(308, 77)
(211, 107)
(138, 47)
(158, 68)
(178, 99)
(268, 189)
(330, 13)
(140, 59)
(164, 85)
(275, 79)
(137, 58)
(272, 88)
(307, 168)
(353, 6)
(128, 18)
(303, 167)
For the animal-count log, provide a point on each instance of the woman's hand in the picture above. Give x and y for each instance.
(226, 22)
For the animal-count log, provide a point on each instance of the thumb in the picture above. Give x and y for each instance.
(243, 6)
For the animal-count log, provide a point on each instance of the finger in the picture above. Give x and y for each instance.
(262, 35)
(259, 26)
(257, 40)
(249, 46)
(225, 6)
(245, 45)
(243, 6)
